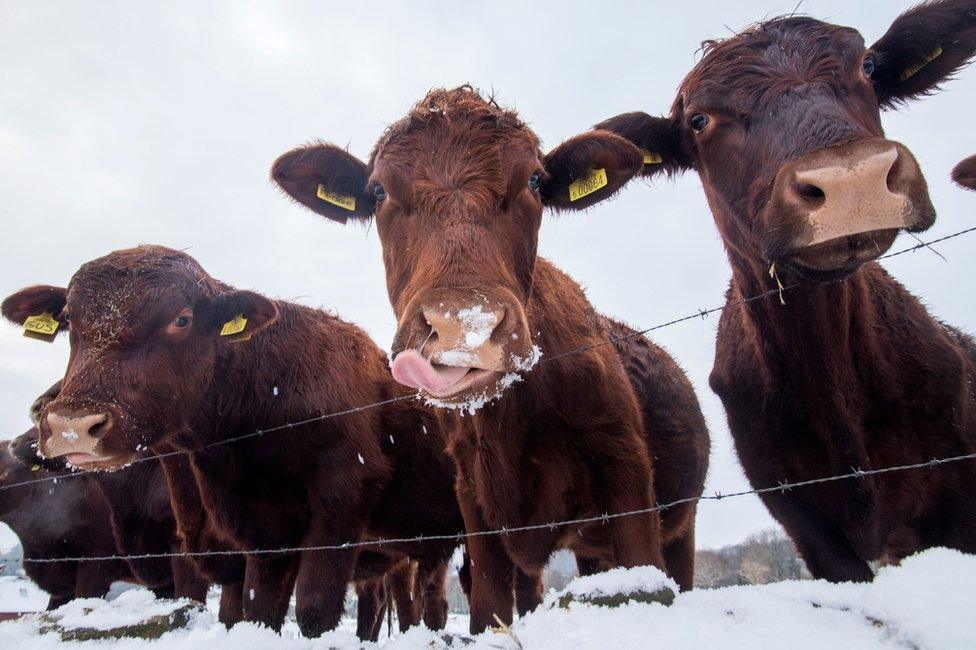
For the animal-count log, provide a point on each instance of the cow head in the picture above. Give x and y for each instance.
(457, 189)
(965, 173)
(783, 124)
(145, 328)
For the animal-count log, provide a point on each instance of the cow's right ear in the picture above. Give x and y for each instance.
(965, 173)
(657, 137)
(325, 179)
(36, 301)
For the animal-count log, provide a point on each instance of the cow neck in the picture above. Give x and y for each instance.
(235, 396)
(817, 342)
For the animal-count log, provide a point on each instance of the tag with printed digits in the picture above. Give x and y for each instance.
(651, 158)
(42, 327)
(234, 329)
(594, 180)
(344, 201)
(932, 56)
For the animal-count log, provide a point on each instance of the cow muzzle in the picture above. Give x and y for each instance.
(76, 436)
(454, 345)
(842, 206)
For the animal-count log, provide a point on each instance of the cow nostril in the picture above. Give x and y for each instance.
(810, 193)
(895, 174)
(98, 428)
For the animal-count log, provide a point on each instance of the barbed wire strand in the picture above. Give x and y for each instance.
(702, 313)
(459, 537)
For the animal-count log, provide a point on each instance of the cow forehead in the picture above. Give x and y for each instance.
(455, 124)
(127, 287)
(767, 59)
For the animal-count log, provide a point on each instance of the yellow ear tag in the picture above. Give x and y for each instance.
(35, 468)
(651, 158)
(42, 327)
(344, 201)
(594, 180)
(932, 56)
(234, 329)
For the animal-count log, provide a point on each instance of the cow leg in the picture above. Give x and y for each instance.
(626, 486)
(187, 581)
(231, 605)
(56, 601)
(164, 591)
(827, 553)
(587, 566)
(434, 599)
(321, 588)
(528, 592)
(268, 583)
(679, 557)
(492, 571)
(401, 584)
(370, 609)
(94, 579)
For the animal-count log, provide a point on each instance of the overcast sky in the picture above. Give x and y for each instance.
(122, 125)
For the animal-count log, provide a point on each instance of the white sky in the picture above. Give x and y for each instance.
(122, 125)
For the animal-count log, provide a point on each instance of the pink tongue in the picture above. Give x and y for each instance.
(410, 368)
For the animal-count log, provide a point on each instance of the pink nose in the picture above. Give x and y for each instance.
(72, 434)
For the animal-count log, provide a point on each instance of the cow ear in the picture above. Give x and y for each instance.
(587, 169)
(924, 47)
(43, 400)
(238, 315)
(657, 137)
(965, 173)
(37, 301)
(325, 179)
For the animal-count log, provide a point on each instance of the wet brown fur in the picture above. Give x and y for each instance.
(852, 372)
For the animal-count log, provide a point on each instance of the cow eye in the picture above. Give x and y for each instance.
(182, 322)
(868, 67)
(698, 122)
(379, 193)
(535, 181)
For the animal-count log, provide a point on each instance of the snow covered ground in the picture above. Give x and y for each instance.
(927, 602)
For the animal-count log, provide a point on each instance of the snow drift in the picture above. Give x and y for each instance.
(924, 603)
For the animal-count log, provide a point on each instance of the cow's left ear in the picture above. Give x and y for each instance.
(588, 169)
(965, 173)
(924, 47)
(325, 179)
(238, 315)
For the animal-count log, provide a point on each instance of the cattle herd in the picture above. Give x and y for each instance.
(225, 438)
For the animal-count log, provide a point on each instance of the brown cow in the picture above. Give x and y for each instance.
(846, 369)
(457, 189)
(150, 368)
(965, 173)
(56, 520)
(141, 517)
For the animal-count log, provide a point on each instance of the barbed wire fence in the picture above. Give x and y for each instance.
(461, 536)
(854, 473)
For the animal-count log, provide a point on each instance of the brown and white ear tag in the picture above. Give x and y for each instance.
(343, 201)
(929, 58)
(42, 327)
(586, 185)
(651, 158)
(234, 329)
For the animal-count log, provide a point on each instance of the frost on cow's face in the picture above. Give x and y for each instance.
(144, 327)
(457, 189)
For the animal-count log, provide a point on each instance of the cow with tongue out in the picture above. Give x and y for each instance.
(605, 422)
